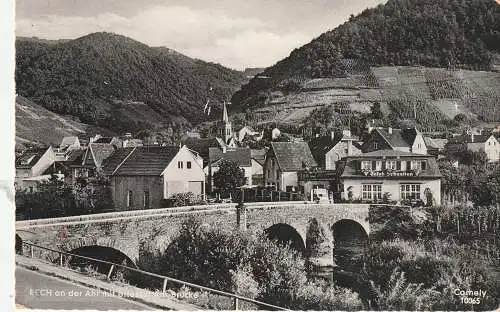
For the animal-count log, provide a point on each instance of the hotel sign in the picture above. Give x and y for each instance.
(391, 173)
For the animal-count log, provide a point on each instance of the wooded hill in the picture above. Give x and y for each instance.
(118, 83)
(431, 54)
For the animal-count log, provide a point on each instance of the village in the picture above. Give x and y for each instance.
(386, 165)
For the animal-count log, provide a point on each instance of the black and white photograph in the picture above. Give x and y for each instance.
(309, 155)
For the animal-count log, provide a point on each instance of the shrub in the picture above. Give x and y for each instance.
(321, 296)
(182, 199)
(399, 294)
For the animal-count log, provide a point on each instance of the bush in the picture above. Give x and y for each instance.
(399, 294)
(321, 296)
(182, 199)
(246, 263)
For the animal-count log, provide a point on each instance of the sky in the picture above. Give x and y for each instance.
(234, 33)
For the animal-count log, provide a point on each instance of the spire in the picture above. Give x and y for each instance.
(225, 118)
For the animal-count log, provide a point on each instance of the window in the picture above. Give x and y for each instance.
(372, 191)
(375, 145)
(423, 165)
(146, 199)
(129, 198)
(289, 188)
(374, 165)
(180, 164)
(378, 165)
(366, 165)
(390, 164)
(398, 165)
(188, 164)
(410, 191)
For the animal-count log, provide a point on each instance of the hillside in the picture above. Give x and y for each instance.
(385, 55)
(36, 125)
(101, 78)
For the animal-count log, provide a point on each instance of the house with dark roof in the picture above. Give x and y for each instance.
(239, 155)
(32, 163)
(86, 163)
(258, 158)
(202, 146)
(283, 161)
(141, 177)
(328, 150)
(116, 142)
(404, 140)
(475, 143)
(400, 175)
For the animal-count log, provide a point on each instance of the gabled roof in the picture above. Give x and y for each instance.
(69, 140)
(293, 156)
(140, 160)
(321, 145)
(106, 140)
(240, 155)
(409, 135)
(29, 158)
(467, 138)
(100, 151)
(259, 155)
(201, 146)
(394, 139)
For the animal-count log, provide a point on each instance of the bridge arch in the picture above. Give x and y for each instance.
(286, 234)
(350, 238)
(109, 254)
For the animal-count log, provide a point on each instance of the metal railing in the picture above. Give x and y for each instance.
(166, 280)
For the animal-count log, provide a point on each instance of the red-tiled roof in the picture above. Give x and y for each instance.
(293, 156)
(140, 161)
(239, 155)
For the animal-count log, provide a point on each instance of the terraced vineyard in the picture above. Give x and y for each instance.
(437, 94)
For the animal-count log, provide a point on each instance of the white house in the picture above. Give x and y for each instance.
(31, 164)
(142, 177)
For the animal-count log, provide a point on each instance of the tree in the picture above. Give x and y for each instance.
(229, 176)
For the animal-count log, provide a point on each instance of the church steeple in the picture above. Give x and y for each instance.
(225, 130)
(225, 118)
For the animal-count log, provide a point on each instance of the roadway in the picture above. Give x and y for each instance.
(39, 291)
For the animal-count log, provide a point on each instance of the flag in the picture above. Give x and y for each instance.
(206, 105)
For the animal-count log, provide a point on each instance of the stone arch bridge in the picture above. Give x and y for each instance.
(125, 232)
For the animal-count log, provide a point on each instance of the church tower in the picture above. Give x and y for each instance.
(224, 129)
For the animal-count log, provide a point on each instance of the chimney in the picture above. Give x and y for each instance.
(224, 149)
(472, 137)
(332, 135)
(346, 133)
(389, 130)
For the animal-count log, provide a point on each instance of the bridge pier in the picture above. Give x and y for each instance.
(319, 253)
